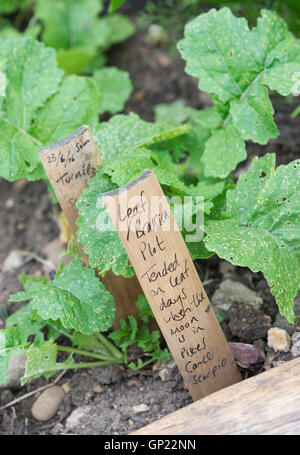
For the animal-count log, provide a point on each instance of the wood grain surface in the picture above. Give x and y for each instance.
(266, 404)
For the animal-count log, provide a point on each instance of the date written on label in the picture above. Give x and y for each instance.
(63, 159)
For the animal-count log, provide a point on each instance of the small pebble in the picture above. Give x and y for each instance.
(279, 339)
(233, 291)
(247, 353)
(9, 203)
(140, 408)
(78, 415)
(97, 388)
(48, 403)
(296, 344)
(12, 261)
(16, 370)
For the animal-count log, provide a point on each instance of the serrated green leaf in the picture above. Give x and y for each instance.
(29, 65)
(76, 298)
(123, 133)
(115, 86)
(263, 230)
(74, 60)
(161, 355)
(96, 233)
(173, 114)
(210, 117)
(126, 335)
(136, 163)
(78, 101)
(234, 63)
(252, 115)
(183, 154)
(120, 28)
(223, 151)
(198, 250)
(219, 51)
(39, 107)
(72, 23)
(41, 361)
(23, 319)
(144, 308)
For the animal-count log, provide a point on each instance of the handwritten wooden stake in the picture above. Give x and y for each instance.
(163, 265)
(69, 164)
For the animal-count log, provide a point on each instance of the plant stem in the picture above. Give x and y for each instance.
(112, 349)
(88, 354)
(146, 363)
(93, 364)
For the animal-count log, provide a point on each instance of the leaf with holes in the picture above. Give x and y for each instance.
(42, 361)
(75, 297)
(124, 133)
(262, 230)
(236, 65)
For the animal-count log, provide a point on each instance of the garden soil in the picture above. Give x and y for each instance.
(105, 400)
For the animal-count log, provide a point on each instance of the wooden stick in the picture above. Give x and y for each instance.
(171, 284)
(69, 164)
(266, 404)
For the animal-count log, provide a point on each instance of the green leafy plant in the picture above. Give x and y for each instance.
(130, 334)
(31, 118)
(170, 16)
(73, 27)
(81, 44)
(253, 223)
(235, 65)
(77, 307)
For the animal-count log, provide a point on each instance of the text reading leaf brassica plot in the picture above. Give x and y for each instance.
(166, 272)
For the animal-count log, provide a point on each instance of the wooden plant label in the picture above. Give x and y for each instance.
(171, 284)
(69, 164)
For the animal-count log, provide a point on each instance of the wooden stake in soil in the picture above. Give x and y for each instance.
(163, 265)
(69, 164)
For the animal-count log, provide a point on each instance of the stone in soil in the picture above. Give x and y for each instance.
(16, 370)
(247, 323)
(247, 353)
(279, 339)
(48, 403)
(233, 291)
(167, 371)
(78, 416)
(140, 408)
(12, 261)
